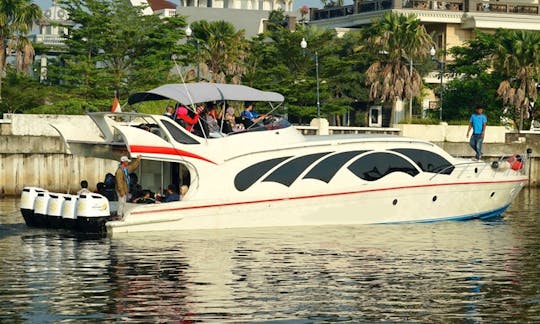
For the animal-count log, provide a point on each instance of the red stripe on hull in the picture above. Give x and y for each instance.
(141, 149)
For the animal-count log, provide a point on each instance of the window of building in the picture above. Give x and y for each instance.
(427, 161)
(247, 177)
(328, 167)
(290, 171)
(377, 165)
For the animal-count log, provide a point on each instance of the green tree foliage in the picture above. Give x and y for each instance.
(22, 93)
(461, 96)
(396, 39)
(114, 48)
(222, 50)
(517, 57)
(499, 71)
(277, 62)
(16, 19)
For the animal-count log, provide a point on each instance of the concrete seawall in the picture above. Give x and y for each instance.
(32, 154)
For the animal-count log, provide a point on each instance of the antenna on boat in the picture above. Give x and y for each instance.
(174, 57)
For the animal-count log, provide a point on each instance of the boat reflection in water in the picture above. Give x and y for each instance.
(420, 272)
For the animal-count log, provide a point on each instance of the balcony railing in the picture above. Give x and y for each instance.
(434, 5)
(493, 6)
(326, 13)
(505, 7)
(50, 40)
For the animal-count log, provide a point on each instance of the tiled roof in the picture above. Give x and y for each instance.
(161, 4)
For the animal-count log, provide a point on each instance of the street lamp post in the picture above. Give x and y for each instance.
(440, 65)
(411, 98)
(189, 33)
(303, 45)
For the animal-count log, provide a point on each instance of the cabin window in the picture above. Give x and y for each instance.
(247, 177)
(178, 134)
(427, 161)
(377, 165)
(288, 172)
(328, 167)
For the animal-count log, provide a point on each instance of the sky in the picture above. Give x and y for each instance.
(44, 4)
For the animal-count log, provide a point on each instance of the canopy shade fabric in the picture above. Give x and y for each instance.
(192, 93)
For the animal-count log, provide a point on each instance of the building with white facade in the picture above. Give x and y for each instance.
(452, 22)
(52, 29)
(249, 15)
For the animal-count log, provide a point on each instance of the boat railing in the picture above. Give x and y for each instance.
(334, 130)
(476, 168)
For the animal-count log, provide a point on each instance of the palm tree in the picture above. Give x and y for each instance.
(517, 57)
(396, 40)
(24, 54)
(16, 19)
(222, 50)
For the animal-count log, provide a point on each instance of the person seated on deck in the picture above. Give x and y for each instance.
(183, 191)
(172, 194)
(84, 188)
(201, 127)
(109, 190)
(250, 117)
(212, 121)
(229, 124)
(185, 118)
(169, 112)
(146, 198)
(135, 189)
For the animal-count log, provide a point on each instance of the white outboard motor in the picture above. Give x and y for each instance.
(54, 210)
(69, 211)
(41, 205)
(92, 213)
(28, 198)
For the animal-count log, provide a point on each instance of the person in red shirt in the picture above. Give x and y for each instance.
(184, 119)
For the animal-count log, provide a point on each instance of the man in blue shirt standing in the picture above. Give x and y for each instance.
(478, 123)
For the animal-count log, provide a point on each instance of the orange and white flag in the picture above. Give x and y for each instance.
(116, 106)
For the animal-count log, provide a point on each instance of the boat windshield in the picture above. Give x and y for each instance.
(275, 123)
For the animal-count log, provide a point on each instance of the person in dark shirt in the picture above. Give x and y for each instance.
(146, 198)
(172, 194)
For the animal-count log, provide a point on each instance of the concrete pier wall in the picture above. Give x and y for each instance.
(56, 172)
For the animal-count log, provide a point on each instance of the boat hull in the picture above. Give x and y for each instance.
(403, 204)
(29, 217)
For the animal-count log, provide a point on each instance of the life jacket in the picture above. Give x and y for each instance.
(179, 112)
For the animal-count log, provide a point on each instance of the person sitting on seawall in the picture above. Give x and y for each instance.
(122, 181)
(249, 116)
(172, 195)
(146, 198)
(84, 188)
(182, 116)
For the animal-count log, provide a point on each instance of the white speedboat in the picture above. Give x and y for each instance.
(271, 175)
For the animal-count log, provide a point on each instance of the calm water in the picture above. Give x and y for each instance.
(475, 271)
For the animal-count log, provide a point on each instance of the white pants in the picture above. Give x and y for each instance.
(121, 204)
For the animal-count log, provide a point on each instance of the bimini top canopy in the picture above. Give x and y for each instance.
(191, 93)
